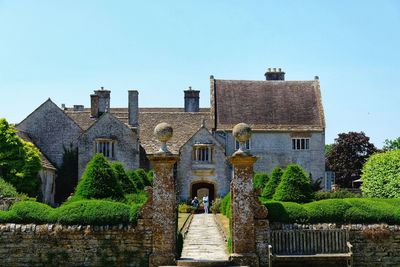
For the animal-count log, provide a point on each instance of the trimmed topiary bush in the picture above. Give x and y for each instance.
(128, 187)
(93, 212)
(150, 176)
(143, 177)
(295, 186)
(99, 181)
(260, 179)
(329, 210)
(286, 212)
(226, 205)
(272, 184)
(136, 179)
(381, 175)
(30, 212)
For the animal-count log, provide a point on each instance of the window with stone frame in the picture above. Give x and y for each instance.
(203, 153)
(300, 143)
(246, 145)
(105, 146)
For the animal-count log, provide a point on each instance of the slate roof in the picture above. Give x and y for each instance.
(46, 164)
(268, 105)
(185, 124)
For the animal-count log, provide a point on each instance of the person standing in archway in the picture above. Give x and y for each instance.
(205, 203)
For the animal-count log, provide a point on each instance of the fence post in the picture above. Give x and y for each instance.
(242, 194)
(164, 219)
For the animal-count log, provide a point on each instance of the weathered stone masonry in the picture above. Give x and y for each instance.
(56, 245)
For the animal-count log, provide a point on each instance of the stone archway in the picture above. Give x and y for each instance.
(201, 189)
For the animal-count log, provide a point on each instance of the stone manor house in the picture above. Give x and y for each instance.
(286, 117)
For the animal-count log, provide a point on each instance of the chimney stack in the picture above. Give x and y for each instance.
(100, 102)
(94, 106)
(103, 101)
(275, 74)
(192, 99)
(133, 107)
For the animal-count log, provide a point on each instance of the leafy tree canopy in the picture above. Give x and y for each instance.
(328, 148)
(348, 154)
(381, 175)
(19, 160)
(391, 144)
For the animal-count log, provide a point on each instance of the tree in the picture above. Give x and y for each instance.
(67, 176)
(381, 175)
(99, 181)
(391, 144)
(348, 154)
(272, 184)
(328, 148)
(295, 186)
(19, 160)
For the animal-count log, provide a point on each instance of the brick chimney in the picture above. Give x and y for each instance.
(192, 99)
(133, 107)
(100, 102)
(274, 74)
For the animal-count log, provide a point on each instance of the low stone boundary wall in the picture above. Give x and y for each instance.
(58, 245)
(373, 244)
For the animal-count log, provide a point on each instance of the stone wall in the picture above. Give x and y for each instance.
(373, 245)
(51, 130)
(275, 149)
(126, 142)
(189, 172)
(56, 245)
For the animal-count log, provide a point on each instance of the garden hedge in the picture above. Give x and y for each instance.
(348, 210)
(85, 212)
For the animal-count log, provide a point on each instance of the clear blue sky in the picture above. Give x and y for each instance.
(66, 49)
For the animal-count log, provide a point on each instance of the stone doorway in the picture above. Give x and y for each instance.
(202, 189)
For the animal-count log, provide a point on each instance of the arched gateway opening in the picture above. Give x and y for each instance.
(202, 189)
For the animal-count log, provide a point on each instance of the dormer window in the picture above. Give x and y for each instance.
(203, 153)
(106, 147)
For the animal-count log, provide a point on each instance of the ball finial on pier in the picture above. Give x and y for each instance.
(163, 132)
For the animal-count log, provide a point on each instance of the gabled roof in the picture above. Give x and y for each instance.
(185, 124)
(46, 164)
(267, 105)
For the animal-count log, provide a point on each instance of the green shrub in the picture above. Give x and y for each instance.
(7, 189)
(137, 198)
(286, 212)
(93, 212)
(295, 186)
(128, 187)
(30, 212)
(216, 206)
(134, 213)
(150, 176)
(99, 181)
(143, 177)
(184, 208)
(226, 204)
(136, 179)
(67, 175)
(329, 210)
(372, 211)
(381, 175)
(340, 193)
(260, 179)
(272, 184)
